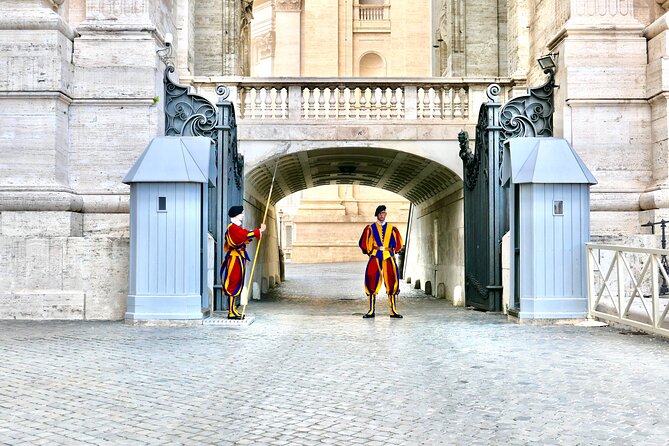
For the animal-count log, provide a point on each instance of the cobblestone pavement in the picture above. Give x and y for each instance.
(311, 371)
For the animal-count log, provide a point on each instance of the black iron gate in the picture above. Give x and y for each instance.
(485, 200)
(190, 114)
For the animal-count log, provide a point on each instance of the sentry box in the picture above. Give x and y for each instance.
(549, 217)
(168, 229)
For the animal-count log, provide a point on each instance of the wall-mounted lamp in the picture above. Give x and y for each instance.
(548, 61)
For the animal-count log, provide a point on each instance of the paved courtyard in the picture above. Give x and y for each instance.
(311, 371)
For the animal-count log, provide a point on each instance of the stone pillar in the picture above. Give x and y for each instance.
(117, 110)
(185, 38)
(518, 39)
(655, 200)
(602, 84)
(288, 33)
(38, 209)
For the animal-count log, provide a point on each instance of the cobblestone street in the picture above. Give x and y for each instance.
(311, 371)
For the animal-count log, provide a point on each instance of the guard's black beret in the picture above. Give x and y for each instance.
(235, 211)
(380, 208)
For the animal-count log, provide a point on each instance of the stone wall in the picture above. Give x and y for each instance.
(77, 108)
(434, 249)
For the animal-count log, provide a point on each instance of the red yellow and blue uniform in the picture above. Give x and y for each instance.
(380, 243)
(233, 266)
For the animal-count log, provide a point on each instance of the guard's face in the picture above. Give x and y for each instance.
(240, 217)
(382, 216)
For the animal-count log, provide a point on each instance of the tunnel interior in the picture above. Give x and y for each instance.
(411, 176)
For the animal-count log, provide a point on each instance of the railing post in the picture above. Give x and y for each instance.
(655, 294)
(410, 102)
(620, 272)
(590, 276)
(295, 103)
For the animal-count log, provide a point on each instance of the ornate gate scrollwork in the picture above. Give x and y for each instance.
(190, 114)
(485, 201)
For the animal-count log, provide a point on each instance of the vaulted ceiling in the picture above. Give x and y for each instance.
(411, 176)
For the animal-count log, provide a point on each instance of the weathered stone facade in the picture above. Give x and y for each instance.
(81, 96)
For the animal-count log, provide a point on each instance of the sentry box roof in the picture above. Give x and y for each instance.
(543, 160)
(175, 159)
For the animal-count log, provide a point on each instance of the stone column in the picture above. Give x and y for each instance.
(185, 38)
(602, 85)
(288, 34)
(655, 200)
(38, 209)
(117, 110)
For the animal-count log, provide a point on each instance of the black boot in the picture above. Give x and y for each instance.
(372, 307)
(393, 308)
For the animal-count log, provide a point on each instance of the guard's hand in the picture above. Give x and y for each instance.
(263, 226)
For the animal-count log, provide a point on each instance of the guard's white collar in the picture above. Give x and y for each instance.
(236, 221)
(380, 223)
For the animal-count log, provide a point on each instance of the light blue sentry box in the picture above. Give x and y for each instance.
(168, 229)
(549, 209)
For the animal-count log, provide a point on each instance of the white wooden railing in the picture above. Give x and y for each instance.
(295, 99)
(624, 286)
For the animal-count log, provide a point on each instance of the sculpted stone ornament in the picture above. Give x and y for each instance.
(56, 3)
(289, 5)
(663, 3)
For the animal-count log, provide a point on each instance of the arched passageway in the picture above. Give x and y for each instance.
(434, 242)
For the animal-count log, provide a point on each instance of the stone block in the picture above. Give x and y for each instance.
(41, 224)
(51, 304)
(35, 60)
(34, 140)
(112, 225)
(106, 140)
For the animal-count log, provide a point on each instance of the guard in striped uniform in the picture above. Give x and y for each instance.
(380, 241)
(233, 266)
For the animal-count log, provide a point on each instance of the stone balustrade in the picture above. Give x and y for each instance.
(319, 99)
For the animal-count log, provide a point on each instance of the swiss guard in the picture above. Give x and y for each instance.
(380, 241)
(233, 266)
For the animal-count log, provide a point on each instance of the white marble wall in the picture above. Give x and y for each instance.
(77, 86)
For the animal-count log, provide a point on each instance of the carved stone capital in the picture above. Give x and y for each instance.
(265, 44)
(288, 5)
(663, 3)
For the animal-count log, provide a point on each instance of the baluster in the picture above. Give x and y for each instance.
(393, 103)
(447, 103)
(373, 111)
(363, 103)
(278, 104)
(457, 105)
(257, 112)
(341, 112)
(269, 112)
(242, 102)
(427, 102)
(303, 105)
(352, 109)
(321, 104)
(332, 112)
(311, 112)
(438, 112)
(384, 103)
(249, 99)
(464, 102)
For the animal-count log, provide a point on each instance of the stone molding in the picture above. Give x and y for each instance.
(117, 9)
(42, 19)
(657, 27)
(603, 8)
(288, 5)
